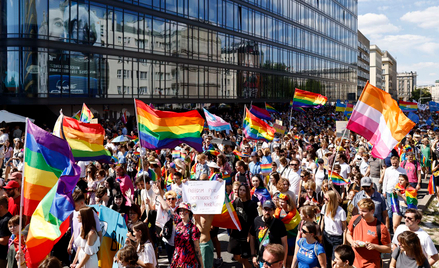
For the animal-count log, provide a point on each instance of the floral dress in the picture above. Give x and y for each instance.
(184, 253)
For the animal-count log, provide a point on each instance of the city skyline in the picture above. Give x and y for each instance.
(408, 30)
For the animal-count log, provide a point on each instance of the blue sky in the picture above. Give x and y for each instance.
(409, 30)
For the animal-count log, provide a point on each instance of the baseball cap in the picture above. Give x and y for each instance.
(269, 204)
(320, 161)
(366, 181)
(12, 185)
(254, 154)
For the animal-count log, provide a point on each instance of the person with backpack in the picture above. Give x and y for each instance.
(413, 170)
(368, 236)
(309, 251)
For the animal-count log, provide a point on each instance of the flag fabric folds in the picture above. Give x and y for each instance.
(429, 121)
(407, 106)
(379, 120)
(291, 220)
(49, 220)
(394, 203)
(86, 140)
(228, 217)
(46, 157)
(348, 111)
(270, 108)
(260, 113)
(86, 114)
(304, 98)
(411, 195)
(291, 103)
(337, 179)
(256, 129)
(216, 123)
(431, 185)
(163, 129)
(340, 106)
(434, 106)
(414, 117)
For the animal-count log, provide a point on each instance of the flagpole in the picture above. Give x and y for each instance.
(20, 224)
(291, 114)
(141, 158)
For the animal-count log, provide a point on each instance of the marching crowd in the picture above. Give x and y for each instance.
(296, 215)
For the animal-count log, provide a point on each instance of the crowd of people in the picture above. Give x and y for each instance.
(292, 216)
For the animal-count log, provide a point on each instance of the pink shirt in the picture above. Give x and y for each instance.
(412, 171)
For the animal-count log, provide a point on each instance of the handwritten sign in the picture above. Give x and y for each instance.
(205, 197)
(280, 129)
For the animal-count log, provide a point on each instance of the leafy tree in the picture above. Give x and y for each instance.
(422, 93)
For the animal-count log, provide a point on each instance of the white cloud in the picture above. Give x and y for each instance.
(426, 19)
(375, 24)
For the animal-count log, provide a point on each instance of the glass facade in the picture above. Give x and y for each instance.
(177, 49)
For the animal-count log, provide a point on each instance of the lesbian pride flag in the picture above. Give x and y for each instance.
(216, 123)
(379, 120)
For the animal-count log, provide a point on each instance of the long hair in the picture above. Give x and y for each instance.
(143, 228)
(261, 181)
(332, 205)
(88, 221)
(313, 228)
(247, 191)
(412, 245)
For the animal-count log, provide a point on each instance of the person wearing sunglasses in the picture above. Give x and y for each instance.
(309, 251)
(412, 219)
(272, 256)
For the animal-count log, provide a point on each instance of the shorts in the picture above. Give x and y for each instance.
(436, 180)
(291, 245)
(239, 246)
(207, 253)
(402, 211)
(214, 232)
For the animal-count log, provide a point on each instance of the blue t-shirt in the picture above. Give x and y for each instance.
(306, 256)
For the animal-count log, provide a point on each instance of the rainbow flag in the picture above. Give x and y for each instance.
(162, 129)
(296, 137)
(228, 217)
(291, 220)
(46, 157)
(411, 195)
(394, 203)
(407, 106)
(431, 185)
(124, 117)
(237, 154)
(260, 113)
(299, 109)
(270, 108)
(176, 154)
(86, 140)
(266, 168)
(77, 116)
(304, 98)
(86, 114)
(212, 152)
(337, 179)
(256, 129)
(291, 103)
(226, 177)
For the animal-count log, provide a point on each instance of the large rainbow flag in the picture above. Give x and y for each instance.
(50, 219)
(86, 114)
(304, 98)
(411, 195)
(256, 129)
(379, 120)
(407, 106)
(260, 113)
(86, 140)
(163, 129)
(291, 220)
(228, 217)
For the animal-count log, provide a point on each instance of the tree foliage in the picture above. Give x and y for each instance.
(421, 93)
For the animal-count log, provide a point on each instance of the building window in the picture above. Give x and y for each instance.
(126, 73)
(143, 75)
(143, 90)
(119, 74)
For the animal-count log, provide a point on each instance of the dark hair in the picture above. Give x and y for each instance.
(4, 201)
(136, 209)
(15, 220)
(142, 227)
(242, 164)
(276, 177)
(128, 255)
(247, 191)
(178, 174)
(259, 177)
(312, 228)
(404, 176)
(142, 178)
(102, 172)
(78, 195)
(418, 214)
(412, 245)
(346, 253)
(88, 221)
(50, 262)
(100, 192)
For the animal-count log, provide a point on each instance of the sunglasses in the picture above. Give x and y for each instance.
(408, 218)
(269, 264)
(171, 198)
(305, 231)
(294, 164)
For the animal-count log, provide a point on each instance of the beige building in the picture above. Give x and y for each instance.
(406, 84)
(435, 91)
(363, 62)
(389, 74)
(376, 65)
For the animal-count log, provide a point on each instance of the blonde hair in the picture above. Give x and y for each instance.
(310, 184)
(170, 194)
(332, 205)
(201, 156)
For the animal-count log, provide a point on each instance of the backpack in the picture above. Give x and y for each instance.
(325, 173)
(378, 226)
(167, 228)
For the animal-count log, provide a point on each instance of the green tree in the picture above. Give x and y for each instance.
(421, 93)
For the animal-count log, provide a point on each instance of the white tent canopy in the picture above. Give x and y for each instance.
(10, 117)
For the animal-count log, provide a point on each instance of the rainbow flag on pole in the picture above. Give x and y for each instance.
(260, 113)
(305, 99)
(379, 120)
(163, 129)
(266, 168)
(431, 185)
(337, 179)
(86, 140)
(228, 217)
(86, 114)
(47, 156)
(407, 106)
(270, 108)
(256, 129)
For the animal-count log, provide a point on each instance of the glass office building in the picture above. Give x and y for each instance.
(175, 51)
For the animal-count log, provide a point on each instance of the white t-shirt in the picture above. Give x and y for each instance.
(363, 167)
(426, 242)
(334, 226)
(294, 179)
(318, 178)
(345, 170)
(147, 255)
(391, 177)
